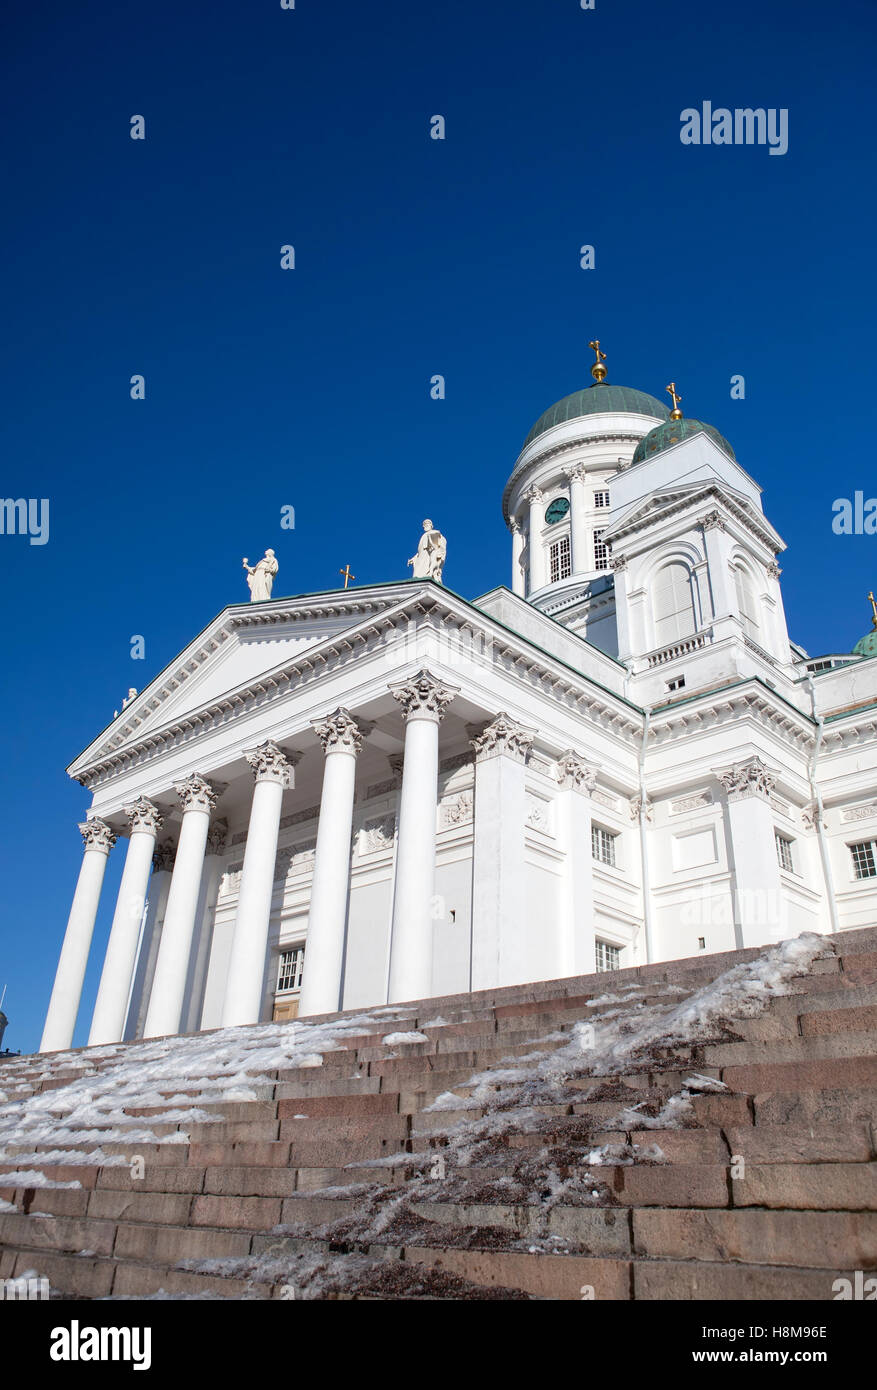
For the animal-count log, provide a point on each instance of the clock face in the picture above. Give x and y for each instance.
(557, 510)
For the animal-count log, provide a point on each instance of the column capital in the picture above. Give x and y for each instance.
(774, 570)
(514, 526)
(534, 494)
(574, 773)
(617, 563)
(195, 794)
(712, 521)
(752, 778)
(503, 736)
(142, 815)
(164, 856)
(271, 764)
(640, 806)
(216, 837)
(424, 696)
(575, 472)
(339, 732)
(96, 834)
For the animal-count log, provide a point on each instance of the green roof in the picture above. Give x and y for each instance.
(673, 432)
(598, 400)
(867, 645)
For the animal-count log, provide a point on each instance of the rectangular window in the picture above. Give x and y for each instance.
(608, 957)
(677, 684)
(784, 852)
(561, 560)
(289, 969)
(601, 552)
(864, 861)
(601, 499)
(603, 845)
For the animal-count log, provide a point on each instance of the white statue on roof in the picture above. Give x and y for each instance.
(260, 577)
(429, 561)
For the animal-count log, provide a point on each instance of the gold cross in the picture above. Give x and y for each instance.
(874, 607)
(675, 413)
(347, 575)
(598, 371)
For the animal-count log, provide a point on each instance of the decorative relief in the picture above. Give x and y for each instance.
(142, 815)
(503, 736)
(377, 834)
(855, 813)
(164, 857)
(231, 879)
(96, 834)
(457, 810)
(573, 771)
(539, 814)
(271, 764)
(295, 818)
(195, 794)
(752, 778)
(539, 764)
(423, 697)
(339, 733)
(217, 836)
(294, 859)
(575, 471)
(694, 802)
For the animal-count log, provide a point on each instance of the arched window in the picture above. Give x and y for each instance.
(673, 604)
(747, 603)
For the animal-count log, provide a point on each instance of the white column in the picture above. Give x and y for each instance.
(156, 905)
(578, 528)
(197, 799)
(67, 990)
(499, 903)
(327, 915)
(207, 899)
(623, 625)
(111, 1006)
(423, 702)
(518, 586)
(717, 545)
(578, 946)
(760, 906)
(246, 967)
(535, 498)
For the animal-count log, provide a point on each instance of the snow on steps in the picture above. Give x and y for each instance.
(535, 1142)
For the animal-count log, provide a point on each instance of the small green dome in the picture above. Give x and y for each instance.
(598, 400)
(867, 645)
(673, 432)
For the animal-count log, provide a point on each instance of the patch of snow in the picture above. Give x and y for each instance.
(393, 1039)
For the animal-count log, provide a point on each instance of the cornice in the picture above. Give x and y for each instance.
(557, 450)
(715, 708)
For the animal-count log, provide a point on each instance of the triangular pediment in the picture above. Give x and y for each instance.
(244, 644)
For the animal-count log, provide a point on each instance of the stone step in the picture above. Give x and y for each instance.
(856, 1020)
(696, 1280)
(815, 1107)
(821, 1239)
(808, 1186)
(813, 1144)
(836, 1074)
(826, 1045)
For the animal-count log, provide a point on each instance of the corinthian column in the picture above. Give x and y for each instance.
(197, 799)
(67, 990)
(535, 497)
(578, 531)
(327, 915)
(423, 700)
(108, 1020)
(499, 903)
(273, 772)
(517, 552)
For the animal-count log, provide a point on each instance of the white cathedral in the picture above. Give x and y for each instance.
(389, 792)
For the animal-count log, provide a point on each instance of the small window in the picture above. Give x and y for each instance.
(603, 845)
(601, 552)
(608, 957)
(701, 943)
(289, 969)
(601, 499)
(561, 560)
(677, 684)
(864, 861)
(784, 852)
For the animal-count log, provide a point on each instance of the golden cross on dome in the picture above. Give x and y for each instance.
(675, 413)
(598, 371)
(347, 575)
(873, 603)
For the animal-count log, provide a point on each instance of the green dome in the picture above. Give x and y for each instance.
(673, 432)
(867, 645)
(597, 400)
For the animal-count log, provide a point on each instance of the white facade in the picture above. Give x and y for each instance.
(621, 759)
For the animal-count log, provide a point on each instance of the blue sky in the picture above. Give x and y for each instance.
(310, 388)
